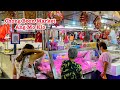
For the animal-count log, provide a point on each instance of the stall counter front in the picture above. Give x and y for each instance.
(6, 64)
(88, 62)
(85, 58)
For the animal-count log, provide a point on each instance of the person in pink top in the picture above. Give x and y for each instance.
(104, 64)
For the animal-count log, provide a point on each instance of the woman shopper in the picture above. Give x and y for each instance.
(103, 64)
(24, 63)
(70, 69)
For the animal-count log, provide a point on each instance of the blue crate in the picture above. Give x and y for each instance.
(54, 56)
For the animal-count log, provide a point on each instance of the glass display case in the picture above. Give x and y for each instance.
(43, 67)
(58, 46)
(58, 41)
(85, 58)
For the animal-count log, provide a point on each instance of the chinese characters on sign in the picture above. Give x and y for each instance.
(15, 38)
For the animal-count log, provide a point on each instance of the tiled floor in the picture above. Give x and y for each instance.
(3, 76)
(87, 76)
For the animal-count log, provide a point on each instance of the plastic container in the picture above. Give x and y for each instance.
(60, 47)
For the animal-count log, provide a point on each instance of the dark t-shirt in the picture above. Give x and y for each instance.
(71, 70)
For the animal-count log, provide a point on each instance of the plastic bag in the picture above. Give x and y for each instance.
(38, 37)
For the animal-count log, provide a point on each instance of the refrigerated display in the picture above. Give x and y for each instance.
(85, 57)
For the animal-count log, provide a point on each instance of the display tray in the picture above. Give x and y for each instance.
(115, 67)
(7, 53)
(43, 67)
(115, 60)
(84, 58)
(88, 66)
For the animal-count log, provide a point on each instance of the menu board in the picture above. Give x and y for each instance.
(15, 38)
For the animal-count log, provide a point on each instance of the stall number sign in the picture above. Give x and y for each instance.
(15, 38)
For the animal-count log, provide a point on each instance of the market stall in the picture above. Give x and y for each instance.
(61, 41)
(86, 58)
(57, 39)
(64, 38)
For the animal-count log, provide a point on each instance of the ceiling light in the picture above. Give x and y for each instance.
(73, 22)
(102, 20)
(90, 25)
(105, 27)
(108, 28)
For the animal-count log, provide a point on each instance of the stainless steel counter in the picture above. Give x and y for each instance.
(6, 64)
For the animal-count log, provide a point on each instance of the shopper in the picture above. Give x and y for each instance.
(70, 69)
(103, 64)
(23, 66)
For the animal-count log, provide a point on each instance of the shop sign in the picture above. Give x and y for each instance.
(30, 24)
(15, 38)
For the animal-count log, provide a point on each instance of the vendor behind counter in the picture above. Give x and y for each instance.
(113, 37)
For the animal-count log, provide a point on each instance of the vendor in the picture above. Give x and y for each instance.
(113, 37)
(118, 40)
(103, 64)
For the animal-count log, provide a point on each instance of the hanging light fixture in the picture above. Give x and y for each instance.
(105, 27)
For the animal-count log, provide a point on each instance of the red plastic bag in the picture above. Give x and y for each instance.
(2, 40)
(4, 30)
(81, 36)
(38, 37)
(7, 28)
(66, 40)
